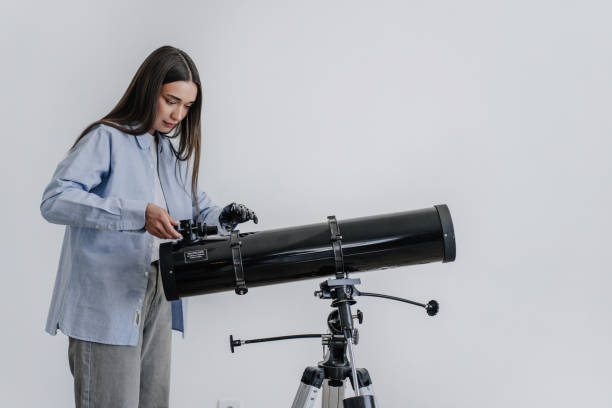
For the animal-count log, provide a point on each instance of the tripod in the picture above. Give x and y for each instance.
(329, 376)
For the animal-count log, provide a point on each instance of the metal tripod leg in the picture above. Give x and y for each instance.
(368, 400)
(333, 394)
(365, 382)
(309, 388)
(314, 383)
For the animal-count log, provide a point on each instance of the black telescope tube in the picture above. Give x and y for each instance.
(305, 252)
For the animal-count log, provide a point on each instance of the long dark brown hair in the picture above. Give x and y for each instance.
(135, 112)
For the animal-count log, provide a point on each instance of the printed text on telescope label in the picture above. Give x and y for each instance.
(196, 255)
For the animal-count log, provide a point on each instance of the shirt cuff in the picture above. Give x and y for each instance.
(132, 214)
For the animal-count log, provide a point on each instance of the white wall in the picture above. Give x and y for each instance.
(499, 109)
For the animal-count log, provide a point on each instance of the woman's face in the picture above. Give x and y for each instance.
(173, 105)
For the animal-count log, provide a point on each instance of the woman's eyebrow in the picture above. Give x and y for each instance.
(177, 98)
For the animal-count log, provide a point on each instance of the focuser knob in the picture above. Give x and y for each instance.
(193, 232)
(185, 228)
(358, 316)
(206, 230)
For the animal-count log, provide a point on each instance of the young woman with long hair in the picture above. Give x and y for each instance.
(119, 191)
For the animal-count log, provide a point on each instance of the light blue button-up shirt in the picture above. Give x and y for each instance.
(100, 191)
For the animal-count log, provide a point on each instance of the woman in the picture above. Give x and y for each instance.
(120, 190)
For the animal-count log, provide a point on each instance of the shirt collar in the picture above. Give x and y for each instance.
(144, 140)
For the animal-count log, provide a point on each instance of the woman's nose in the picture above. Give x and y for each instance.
(178, 114)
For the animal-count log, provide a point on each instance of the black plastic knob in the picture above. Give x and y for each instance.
(359, 316)
(234, 343)
(432, 308)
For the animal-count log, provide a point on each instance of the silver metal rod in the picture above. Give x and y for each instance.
(353, 368)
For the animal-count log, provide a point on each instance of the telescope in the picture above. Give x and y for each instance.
(203, 262)
(200, 264)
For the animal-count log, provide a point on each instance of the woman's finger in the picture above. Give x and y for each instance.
(159, 231)
(170, 232)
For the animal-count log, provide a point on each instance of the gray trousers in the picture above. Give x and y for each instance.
(138, 376)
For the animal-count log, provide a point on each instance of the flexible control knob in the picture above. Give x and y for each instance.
(432, 308)
(234, 343)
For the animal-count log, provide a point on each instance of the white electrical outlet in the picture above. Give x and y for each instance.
(228, 404)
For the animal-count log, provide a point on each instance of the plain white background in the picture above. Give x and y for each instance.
(499, 109)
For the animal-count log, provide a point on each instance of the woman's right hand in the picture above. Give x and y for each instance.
(159, 223)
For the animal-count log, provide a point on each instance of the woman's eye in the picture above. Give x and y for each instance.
(170, 102)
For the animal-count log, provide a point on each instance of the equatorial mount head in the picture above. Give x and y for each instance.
(331, 287)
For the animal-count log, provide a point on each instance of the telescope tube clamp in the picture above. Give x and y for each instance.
(235, 244)
(336, 240)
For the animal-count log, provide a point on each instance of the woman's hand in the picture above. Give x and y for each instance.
(159, 223)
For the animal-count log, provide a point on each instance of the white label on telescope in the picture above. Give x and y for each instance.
(196, 255)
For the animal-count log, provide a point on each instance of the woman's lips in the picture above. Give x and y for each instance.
(168, 124)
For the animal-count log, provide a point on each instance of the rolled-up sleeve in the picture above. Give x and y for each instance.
(69, 200)
(208, 211)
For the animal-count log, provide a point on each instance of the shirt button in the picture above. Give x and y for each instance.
(146, 273)
(151, 166)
